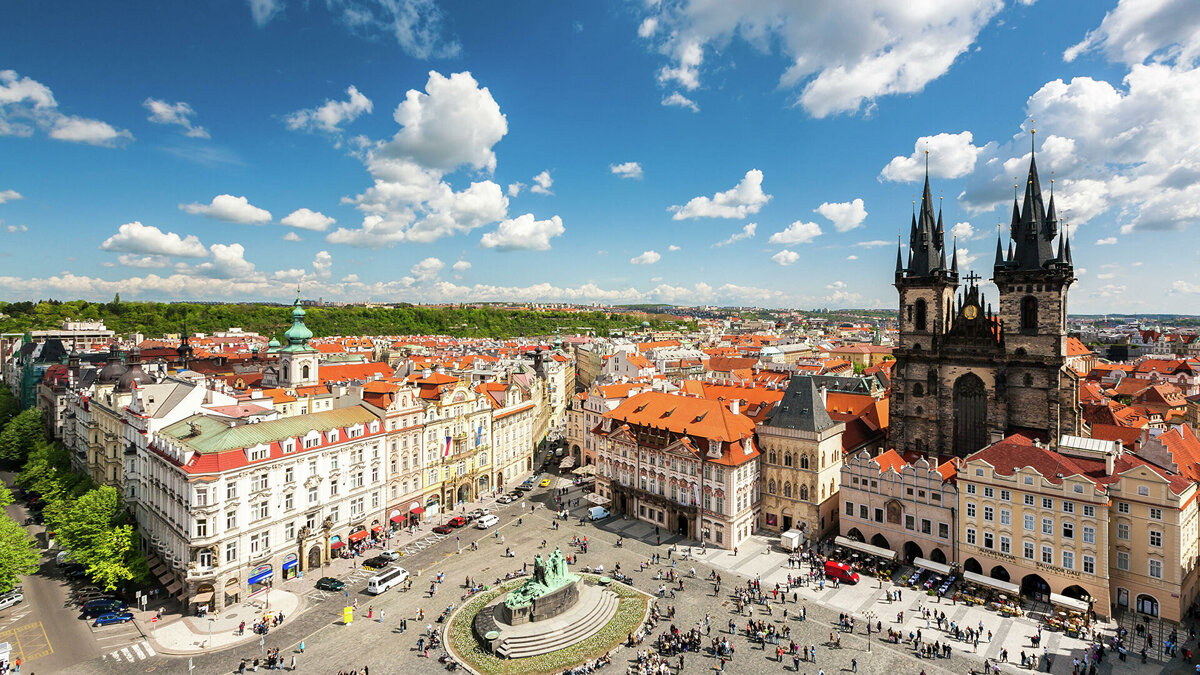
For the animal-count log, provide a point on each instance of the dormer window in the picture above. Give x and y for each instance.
(288, 446)
(332, 435)
(312, 439)
(258, 452)
(374, 427)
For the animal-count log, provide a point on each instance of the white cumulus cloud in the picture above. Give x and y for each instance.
(178, 113)
(672, 248)
(454, 122)
(230, 209)
(462, 266)
(785, 257)
(228, 262)
(27, 105)
(840, 58)
(646, 258)
(744, 199)
(678, 100)
(626, 170)
(1107, 241)
(746, 233)
(542, 184)
(331, 115)
(146, 239)
(949, 155)
(427, 269)
(845, 216)
(523, 233)
(9, 195)
(292, 236)
(798, 232)
(306, 219)
(962, 230)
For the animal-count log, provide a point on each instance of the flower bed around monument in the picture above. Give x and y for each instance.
(631, 610)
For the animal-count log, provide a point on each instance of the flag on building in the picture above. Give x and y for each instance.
(446, 450)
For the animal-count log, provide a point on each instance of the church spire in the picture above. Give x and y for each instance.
(999, 253)
(899, 262)
(954, 263)
(928, 255)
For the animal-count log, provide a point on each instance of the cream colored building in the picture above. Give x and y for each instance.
(907, 507)
(801, 463)
(1083, 524)
(457, 462)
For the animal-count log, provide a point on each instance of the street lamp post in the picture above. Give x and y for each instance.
(211, 620)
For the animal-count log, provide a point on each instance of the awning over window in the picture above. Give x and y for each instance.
(202, 598)
(377, 528)
(173, 587)
(357, 536)
(1069, 603)
(336, 545)
(416, 511)
(876, 551)
(397, 519)
(992, 583)
(927, 564)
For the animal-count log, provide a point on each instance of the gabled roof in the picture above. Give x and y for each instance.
(684, 415)
(215, 434)
(800, 408)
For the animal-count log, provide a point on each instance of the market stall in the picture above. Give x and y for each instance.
(997, 594)
(1070, 615)
(866, 558)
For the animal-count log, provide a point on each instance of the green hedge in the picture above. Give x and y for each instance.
(630, 612)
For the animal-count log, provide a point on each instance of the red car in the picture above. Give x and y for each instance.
(457, 521)
(443, 529)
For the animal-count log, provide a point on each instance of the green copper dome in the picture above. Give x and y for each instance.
(299, 334)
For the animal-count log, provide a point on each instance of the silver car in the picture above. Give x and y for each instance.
(11, 598)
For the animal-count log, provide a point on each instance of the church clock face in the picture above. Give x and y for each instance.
(970, 311)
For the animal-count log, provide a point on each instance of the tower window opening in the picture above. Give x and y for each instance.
(920, 321)
(1029, 313)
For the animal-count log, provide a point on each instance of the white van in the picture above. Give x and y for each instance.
(64, 556)
(488, 521)
(381, 582)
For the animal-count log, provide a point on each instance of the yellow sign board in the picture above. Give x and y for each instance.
(348, 615)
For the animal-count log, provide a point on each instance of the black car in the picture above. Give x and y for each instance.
(330, 584)
(91, 611)
(74, 571)
(377, 562)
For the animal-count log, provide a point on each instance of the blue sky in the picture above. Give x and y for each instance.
(585, 151)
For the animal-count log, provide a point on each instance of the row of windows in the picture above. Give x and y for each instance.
(910, 522)
(1067, 561)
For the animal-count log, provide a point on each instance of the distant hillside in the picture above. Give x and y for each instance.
(154, 319)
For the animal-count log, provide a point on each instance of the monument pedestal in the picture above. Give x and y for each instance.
(543, 607)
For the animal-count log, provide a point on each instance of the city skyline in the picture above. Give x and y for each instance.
(654, 152)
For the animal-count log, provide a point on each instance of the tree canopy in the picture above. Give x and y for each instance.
(21, 435)
(154, 318)
(18, 553)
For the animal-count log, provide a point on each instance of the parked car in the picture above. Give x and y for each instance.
(525, 487)
(86, 590)
(91, 611)
(377, 562)
(391, 555)
(85, 598)
(443, 529)
(457, 521)
(545, 482)
(74, 571)
(506, 499)
(113, 617)
(330, 584)
(11, 598)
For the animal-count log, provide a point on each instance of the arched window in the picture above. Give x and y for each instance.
(787, 489)
(822, 493)
(304, 372)
(772, 457)
(804, 492)
(285, 370)
(1029, 311)
(804, 461)
(771, 486)
(1028, 380)
(918, 390)
(787, 459)
(920, 320)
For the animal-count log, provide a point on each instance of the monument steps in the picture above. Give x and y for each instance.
(587, 622)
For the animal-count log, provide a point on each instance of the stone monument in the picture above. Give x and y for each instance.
(551, 591)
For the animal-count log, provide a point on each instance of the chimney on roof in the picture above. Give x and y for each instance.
(824, 392)
(1110, 460)
(734, 406)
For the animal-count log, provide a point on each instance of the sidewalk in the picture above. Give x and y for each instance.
(180, 636)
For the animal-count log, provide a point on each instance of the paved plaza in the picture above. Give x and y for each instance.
(331, 646)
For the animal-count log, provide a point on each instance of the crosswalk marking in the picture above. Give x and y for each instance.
(126, 654)
(148, 648)
(132, 653)
(137, 650)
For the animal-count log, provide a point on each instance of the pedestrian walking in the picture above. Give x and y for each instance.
(293, 668)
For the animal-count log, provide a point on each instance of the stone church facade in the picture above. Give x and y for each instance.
(967, 374)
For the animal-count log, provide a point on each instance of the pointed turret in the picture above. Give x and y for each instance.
(1061, 255)
(899, 260)
(927, 254)
(954, 263)
(939, 235)
(999, 253)
(1050, 227)
(1032, 233)
(1068, 238)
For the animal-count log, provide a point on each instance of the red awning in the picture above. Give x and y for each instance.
(377, 528)
(336, 545)
(418, 510)
(357, 536)
(397, 519)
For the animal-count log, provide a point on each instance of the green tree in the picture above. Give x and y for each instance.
(18, 553)
(21, 435)
(9, 406)
(114, 559)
